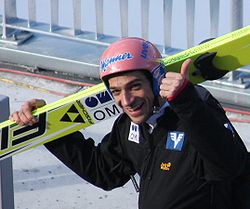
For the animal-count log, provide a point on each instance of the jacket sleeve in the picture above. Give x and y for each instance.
(102, 165)
(219, 148)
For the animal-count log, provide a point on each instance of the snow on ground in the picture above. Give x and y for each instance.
(43, 182)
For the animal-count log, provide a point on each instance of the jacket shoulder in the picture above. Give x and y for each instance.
(207, 97)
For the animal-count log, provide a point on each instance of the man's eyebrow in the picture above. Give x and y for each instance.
(129, 83)
(113, 87)
(136, 80)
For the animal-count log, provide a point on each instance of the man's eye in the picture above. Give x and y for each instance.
(136, 86)
(115, 92)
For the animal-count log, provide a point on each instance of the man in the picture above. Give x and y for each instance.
(173, 134)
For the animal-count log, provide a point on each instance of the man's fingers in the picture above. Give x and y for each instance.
(26, 117)
(14, 117)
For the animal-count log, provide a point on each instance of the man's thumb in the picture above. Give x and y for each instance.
(184, 68)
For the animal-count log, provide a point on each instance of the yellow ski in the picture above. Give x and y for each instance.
(96, 104)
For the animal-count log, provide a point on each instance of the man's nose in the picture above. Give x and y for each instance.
(127, 98)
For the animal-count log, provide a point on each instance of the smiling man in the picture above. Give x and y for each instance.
(132, 92)
(174, 134)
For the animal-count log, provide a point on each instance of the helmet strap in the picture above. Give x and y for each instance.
(156, 106)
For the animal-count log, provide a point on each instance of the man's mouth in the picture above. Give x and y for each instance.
(135, 107)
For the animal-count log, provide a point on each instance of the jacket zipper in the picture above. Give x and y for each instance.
(144, 184)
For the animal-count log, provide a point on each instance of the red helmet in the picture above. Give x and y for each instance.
(130, 54)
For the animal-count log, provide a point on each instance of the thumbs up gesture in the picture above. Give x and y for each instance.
(173, 83)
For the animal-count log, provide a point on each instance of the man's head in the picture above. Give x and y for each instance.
(130, 68)
(132, 91)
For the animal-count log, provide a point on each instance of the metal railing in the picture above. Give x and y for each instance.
(10, 20)
(16, 30)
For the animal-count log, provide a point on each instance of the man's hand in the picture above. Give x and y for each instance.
(24, 116)
(173, 83)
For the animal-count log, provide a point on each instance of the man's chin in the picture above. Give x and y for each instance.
(138, 120)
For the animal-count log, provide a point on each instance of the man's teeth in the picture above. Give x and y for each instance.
(135, 107)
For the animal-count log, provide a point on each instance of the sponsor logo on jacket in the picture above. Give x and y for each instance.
(175, 140)
(165, 166)
(134, 134)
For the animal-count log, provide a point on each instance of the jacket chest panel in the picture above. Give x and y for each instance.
(162, 146)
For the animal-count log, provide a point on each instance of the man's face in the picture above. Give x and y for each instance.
(132, 91)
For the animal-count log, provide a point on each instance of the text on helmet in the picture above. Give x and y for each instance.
(110, 60)
(144, 51)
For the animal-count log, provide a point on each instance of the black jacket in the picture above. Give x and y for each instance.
(188, 162)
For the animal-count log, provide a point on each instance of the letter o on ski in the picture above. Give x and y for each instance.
(99, 115)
